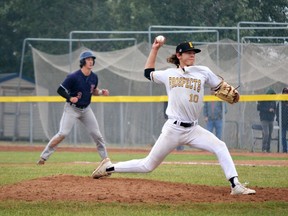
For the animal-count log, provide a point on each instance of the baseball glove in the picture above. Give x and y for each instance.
(227, 93)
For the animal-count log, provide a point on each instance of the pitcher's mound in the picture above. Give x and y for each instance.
(125, 190)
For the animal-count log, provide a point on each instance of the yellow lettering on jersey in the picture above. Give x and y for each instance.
(184, 82)
(199, 86)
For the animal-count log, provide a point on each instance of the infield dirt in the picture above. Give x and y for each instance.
(125, 190)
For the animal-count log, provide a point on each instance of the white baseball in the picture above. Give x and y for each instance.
(160, 39)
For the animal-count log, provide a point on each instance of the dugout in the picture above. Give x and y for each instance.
(19, 121)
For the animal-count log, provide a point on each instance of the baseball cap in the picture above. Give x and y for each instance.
(270, 91)
(185, 47)
(285, 91)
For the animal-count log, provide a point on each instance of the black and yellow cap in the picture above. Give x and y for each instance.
(185, 47)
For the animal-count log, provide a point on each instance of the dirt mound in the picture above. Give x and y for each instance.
(125, 190)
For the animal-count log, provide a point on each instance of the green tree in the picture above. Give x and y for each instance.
(22, 19)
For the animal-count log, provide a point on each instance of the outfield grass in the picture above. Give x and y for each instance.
(87, 209)
(19, 166)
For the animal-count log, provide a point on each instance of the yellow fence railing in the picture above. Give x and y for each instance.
(136, 99)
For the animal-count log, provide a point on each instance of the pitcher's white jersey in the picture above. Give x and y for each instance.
(185, 89)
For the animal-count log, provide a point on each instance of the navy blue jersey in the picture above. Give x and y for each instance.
(78, 85)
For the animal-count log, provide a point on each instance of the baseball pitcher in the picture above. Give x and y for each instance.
(185, 89)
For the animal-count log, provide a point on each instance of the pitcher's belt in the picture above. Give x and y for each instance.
(185, 124)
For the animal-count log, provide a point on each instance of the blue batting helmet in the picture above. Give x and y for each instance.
(87, 54)
(84, 55)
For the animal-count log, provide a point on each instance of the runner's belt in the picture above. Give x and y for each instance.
(78, 106)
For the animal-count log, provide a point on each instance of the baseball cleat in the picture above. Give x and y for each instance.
(100, 171)
(241, 189)
(41, 161)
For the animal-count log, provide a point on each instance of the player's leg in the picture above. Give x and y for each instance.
(218, 128)
(67, 121)
(270, 125)
(265, 132)
(91, 124)
(284, 139)
(205, 140)
(166, 143)
(210, 125)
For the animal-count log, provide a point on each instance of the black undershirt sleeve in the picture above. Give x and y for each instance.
(61, 91)
(147, 72)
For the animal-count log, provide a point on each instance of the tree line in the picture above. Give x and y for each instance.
(22, 19)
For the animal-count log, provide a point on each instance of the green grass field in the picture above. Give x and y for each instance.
(20, 166)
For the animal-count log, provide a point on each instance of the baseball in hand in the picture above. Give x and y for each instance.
(160, 39)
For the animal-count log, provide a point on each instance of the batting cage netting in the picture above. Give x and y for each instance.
(255, 67)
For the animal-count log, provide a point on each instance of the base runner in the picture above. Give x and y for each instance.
(77, 89)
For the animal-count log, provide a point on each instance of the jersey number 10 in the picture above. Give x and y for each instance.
(194, 98)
